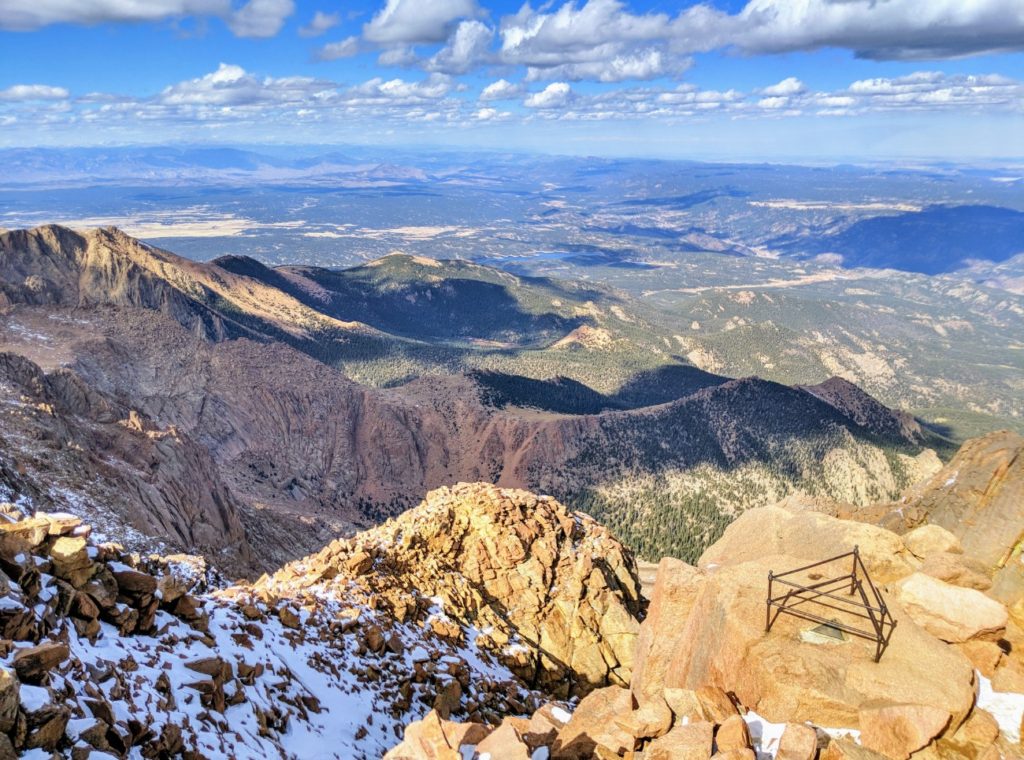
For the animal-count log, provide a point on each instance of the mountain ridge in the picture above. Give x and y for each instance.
(306, 450)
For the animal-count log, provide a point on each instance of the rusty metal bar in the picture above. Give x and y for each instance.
(860, 633)
(813, 564)
(877, 614)
(844, 600)
(800, 600)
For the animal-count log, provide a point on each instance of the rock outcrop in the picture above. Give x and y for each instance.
(708, 681)
(550, 591)
(116, 467)
(979, 498)
(109, 652)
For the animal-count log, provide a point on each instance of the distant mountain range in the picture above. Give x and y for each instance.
(216, 405)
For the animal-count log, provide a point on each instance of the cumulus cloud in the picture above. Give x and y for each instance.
(260, 18)
(555, 95)
(432, 88)
(33, 92)
(490, 114)
(232, 85)
(232, 96)
(608, 41)
(501, 90)
(600, 40)
(255, 18)
(788, 86)
(32, 14)
(890, 29)
(405, 22)
(345, 48)
(320, 23)
(645, 64)
(466, 49)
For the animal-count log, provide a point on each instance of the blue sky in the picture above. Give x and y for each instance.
(771, 79)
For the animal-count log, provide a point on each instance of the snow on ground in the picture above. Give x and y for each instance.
(339, 699)
(1006, 707)
(764, 735)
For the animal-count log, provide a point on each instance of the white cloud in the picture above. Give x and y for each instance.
(788, 86)
(773, 103)
(405, 22)
(231, 97)
(32, 14)
(501, 90)
(432, 88)
(886, 29)
(644, 64)
(255, 18)
(599, 40)
(401, 55)
(466, 49)
(260, 18)
(332, 51)
(320, 23)
(491, 114)
(555, 95)
(33, 92)
(573, 32)
(232, 85)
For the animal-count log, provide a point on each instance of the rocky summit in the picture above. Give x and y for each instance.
(552, 593)
(708, 681)
(490, 623)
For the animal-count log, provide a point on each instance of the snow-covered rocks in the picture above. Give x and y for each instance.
(111, 653)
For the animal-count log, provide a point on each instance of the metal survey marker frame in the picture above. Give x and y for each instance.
(862, 600)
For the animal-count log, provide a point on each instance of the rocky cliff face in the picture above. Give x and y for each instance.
(74, 447)
(56, 266)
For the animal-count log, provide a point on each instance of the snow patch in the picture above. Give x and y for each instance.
(1006, 707)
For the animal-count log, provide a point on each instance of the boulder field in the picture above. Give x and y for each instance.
(708, 681)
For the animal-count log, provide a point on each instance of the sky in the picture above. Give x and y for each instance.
(757, 79)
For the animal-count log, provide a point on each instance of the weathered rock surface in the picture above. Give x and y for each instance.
(929, 540)
(153, 481)
(809, 536)
(705, 671)
(897, 731)
(951, 613)
(705, 627)
(979, 498)
(550, 591)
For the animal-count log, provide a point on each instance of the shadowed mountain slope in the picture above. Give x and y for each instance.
(225, 355)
